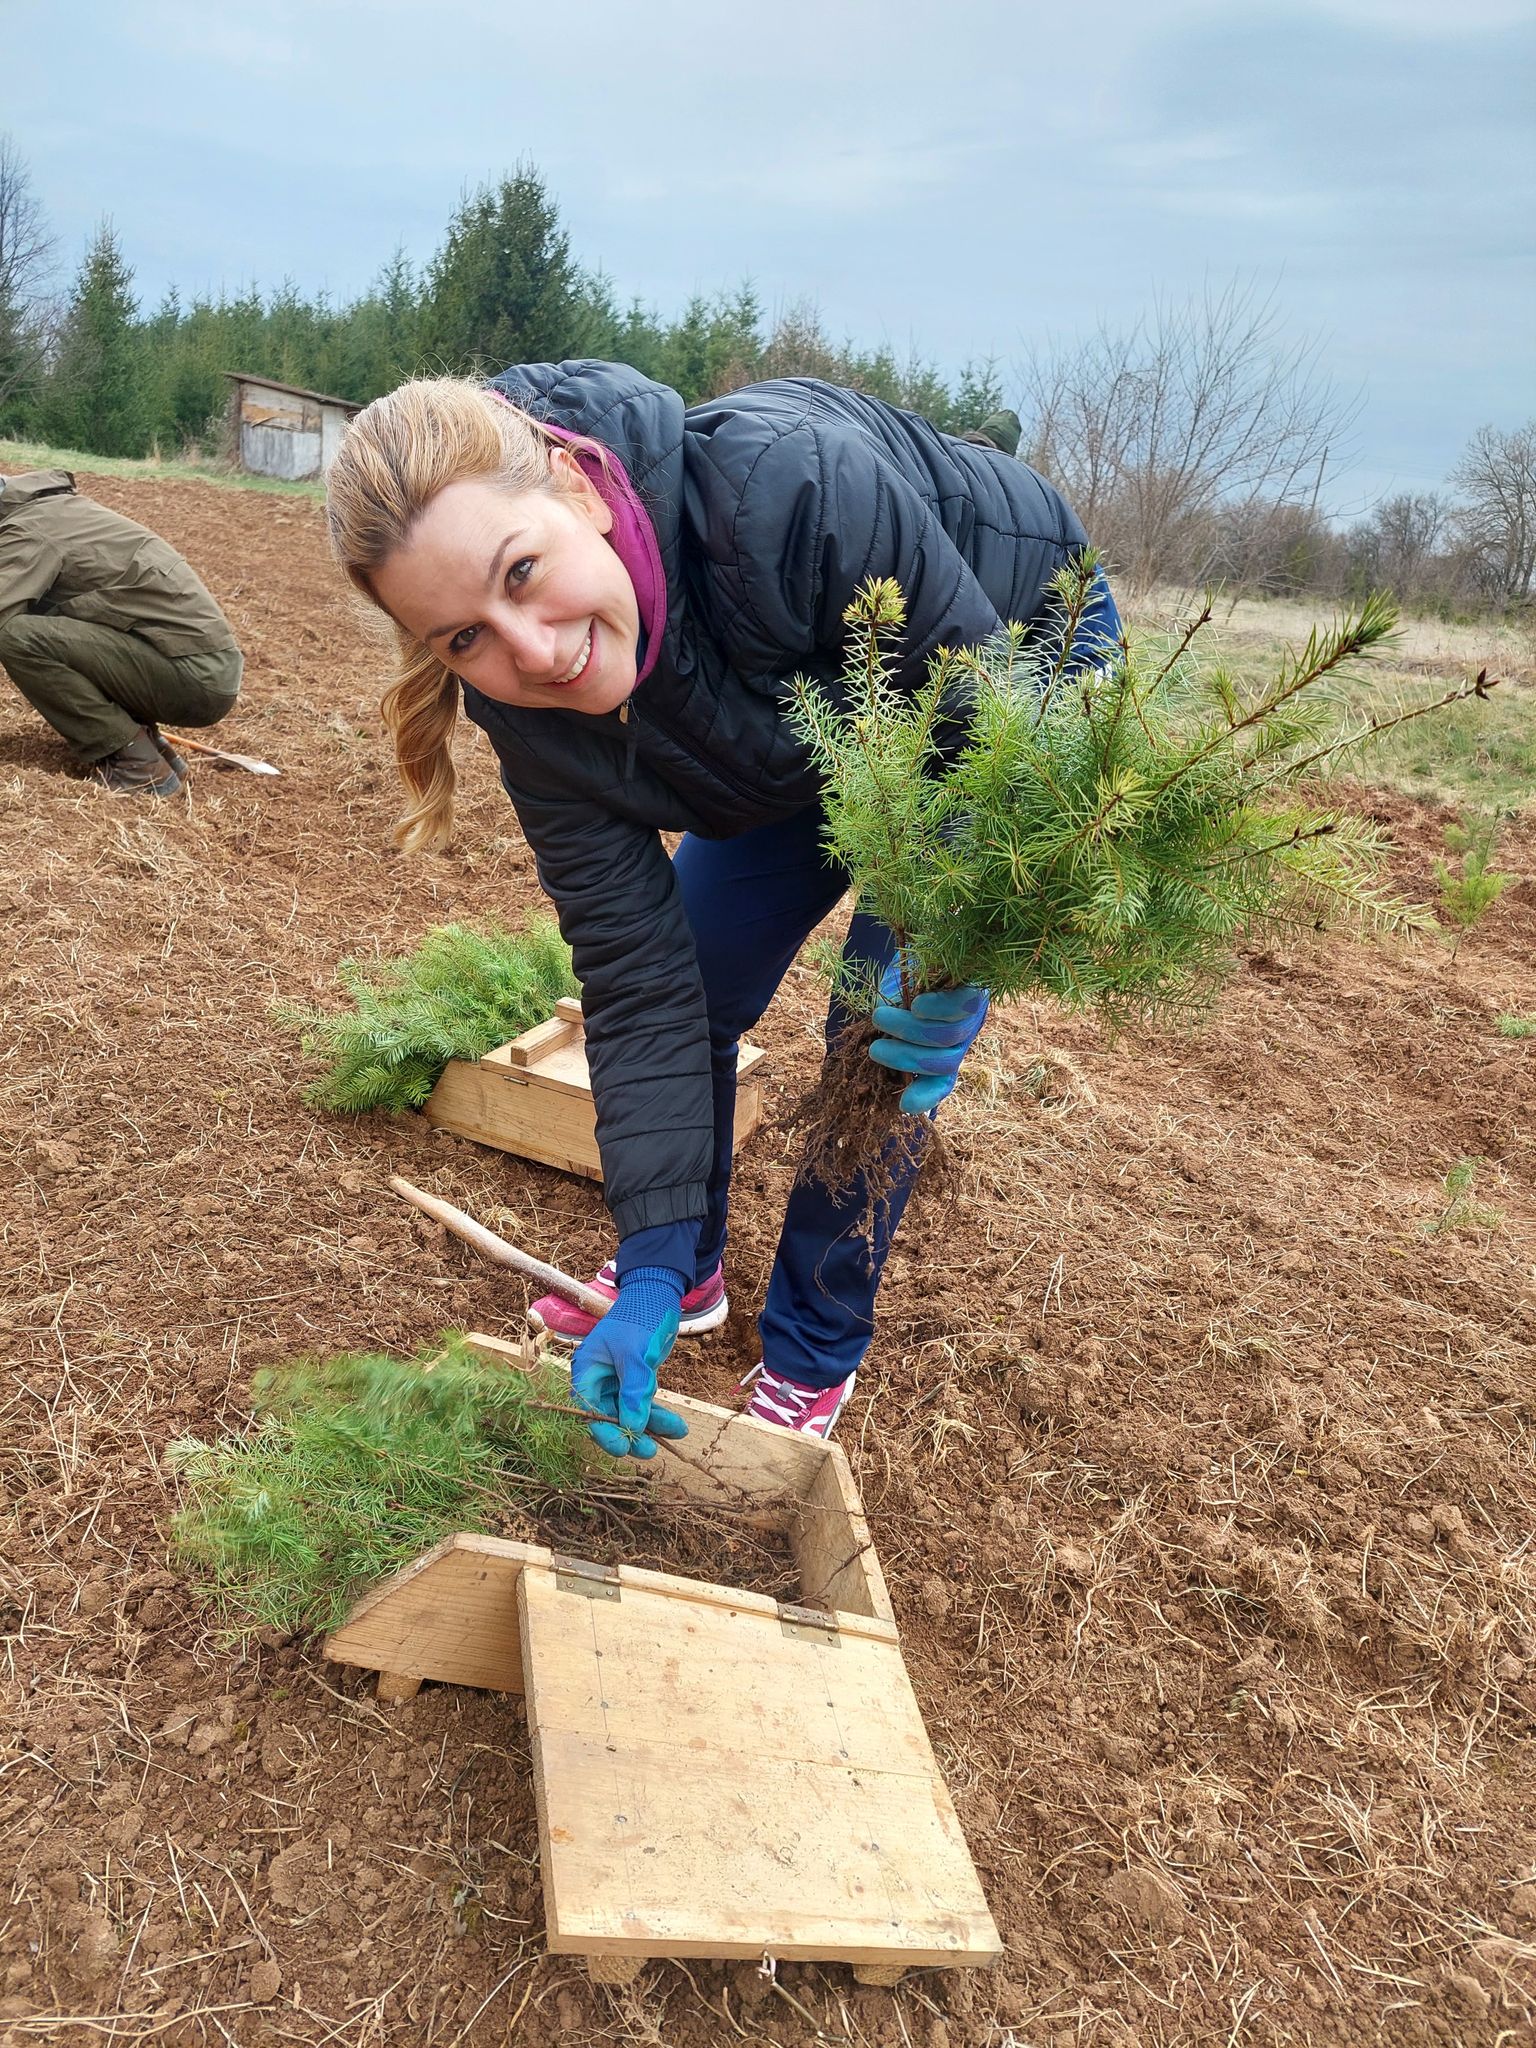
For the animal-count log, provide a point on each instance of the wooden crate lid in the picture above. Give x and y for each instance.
(717, 1778)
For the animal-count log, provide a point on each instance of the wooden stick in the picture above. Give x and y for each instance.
(249, 762)
(497, 1248)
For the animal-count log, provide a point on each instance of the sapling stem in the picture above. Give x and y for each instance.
(1194, 626)
(1374, 730)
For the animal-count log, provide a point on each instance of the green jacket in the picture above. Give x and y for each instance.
(63, 553)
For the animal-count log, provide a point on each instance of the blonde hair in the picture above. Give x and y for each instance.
(397, 455)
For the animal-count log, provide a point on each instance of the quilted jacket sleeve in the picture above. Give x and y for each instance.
(621, 912)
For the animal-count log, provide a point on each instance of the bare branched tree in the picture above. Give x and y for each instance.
(26, 260)
(1497, 479)
(1402, 545)
(1159, 432)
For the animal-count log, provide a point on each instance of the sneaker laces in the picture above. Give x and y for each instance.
(788, 1396)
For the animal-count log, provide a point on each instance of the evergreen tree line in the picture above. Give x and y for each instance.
(98, 374)
(1194, 444)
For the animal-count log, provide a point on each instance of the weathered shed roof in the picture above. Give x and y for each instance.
(293, 390)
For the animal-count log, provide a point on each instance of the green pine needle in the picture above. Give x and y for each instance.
(357, 1465)
(462, 992)
(1465, 894)
(1108, 839)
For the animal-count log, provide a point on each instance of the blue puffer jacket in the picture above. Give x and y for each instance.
(770, 507)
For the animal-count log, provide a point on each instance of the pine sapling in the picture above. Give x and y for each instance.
(1463, 1211)
(1107, 835)
(463, 991)
(358, 1464)
(1466, 895)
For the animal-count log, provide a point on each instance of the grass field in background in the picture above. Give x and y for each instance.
(1479, 755)
(18, 455)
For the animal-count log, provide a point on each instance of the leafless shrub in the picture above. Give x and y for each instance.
(1197, 410)
(1497, 478)
(26, 260)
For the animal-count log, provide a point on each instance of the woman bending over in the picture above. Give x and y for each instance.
(618, 588)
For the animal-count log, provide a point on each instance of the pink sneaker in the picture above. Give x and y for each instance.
(812, 1410)
(704, 1308)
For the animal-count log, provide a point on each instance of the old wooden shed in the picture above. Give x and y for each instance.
(282, 430)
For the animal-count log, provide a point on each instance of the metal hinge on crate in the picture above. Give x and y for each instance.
(808, 1625)
(592, 1581)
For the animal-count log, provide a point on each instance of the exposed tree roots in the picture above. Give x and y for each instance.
(857, 1142)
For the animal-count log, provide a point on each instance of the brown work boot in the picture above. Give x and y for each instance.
(177, 759)
(139, 769)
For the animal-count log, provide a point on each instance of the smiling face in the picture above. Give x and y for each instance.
(520, 594)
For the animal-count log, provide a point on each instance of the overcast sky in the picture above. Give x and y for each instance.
(969, 177)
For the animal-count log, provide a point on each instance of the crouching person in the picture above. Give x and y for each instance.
(106, 632)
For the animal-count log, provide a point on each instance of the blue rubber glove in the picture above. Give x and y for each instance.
(613, 1370)
(930, 1039)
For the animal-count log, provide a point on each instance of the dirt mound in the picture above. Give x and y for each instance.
(1197, 1440)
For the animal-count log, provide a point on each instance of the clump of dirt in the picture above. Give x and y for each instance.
(1201, 1467)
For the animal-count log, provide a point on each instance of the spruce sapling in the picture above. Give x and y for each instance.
(358, 1464)
(460, 993)
(1465, 896)
(1105, 836)
(1463, 1211)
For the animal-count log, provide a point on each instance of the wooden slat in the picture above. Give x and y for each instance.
(450, 1615)
(834, 1550)
(738, 1642)
(533, 1096)
(710, 1785)
(564, 1068)
(699, 1592)
(540, 1039)
(544, 1115)
(726, 1454)
(748, 1113)
(521, 1352)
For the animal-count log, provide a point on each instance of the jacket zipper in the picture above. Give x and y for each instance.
(634, 741)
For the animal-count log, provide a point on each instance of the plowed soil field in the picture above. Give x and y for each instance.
(1198, 1440)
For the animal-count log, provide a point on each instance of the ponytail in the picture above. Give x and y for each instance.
(421, 709)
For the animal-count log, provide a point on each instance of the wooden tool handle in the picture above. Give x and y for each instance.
(499, 1250)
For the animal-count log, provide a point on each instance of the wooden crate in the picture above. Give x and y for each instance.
(717, 1773)
(534, 1096)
